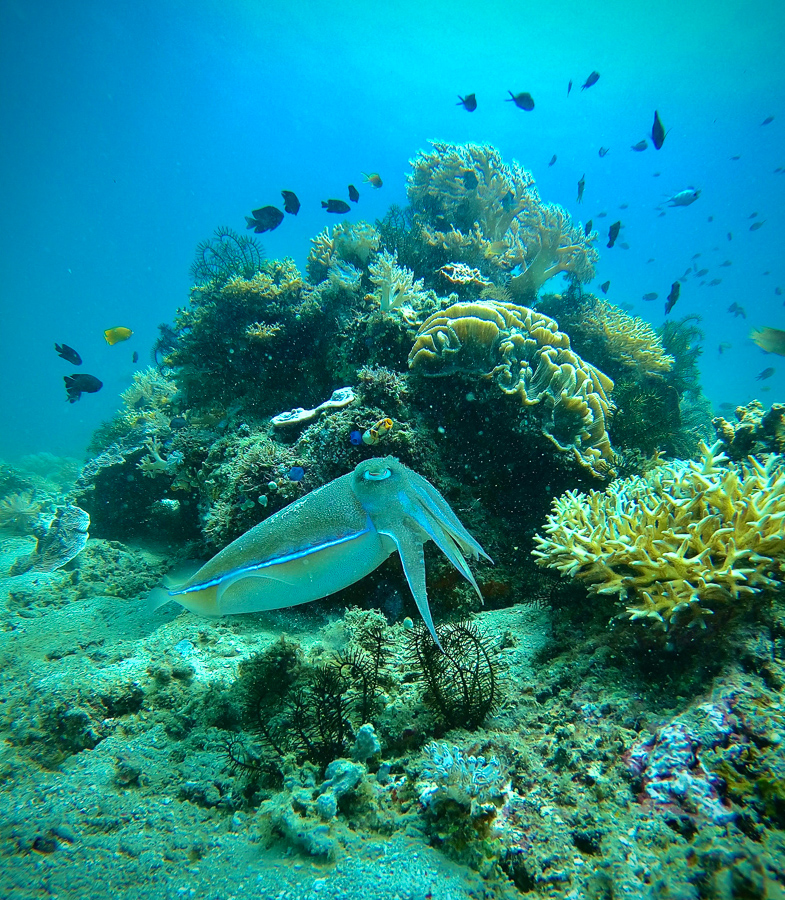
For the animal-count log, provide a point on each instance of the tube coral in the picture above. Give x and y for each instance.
(686, 540)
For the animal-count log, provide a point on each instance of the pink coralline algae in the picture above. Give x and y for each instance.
(669, 763)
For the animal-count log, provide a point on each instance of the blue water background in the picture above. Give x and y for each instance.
(129, 131)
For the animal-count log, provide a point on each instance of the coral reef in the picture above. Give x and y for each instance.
(347, 242)
(686, 542)
(526, 356)
(480, 211)
(395, 287)
(63, 539)
(755, 431)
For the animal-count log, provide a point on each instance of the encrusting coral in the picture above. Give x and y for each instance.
(687, 540)
(395, 286)
(755, 430)
(526, 355)
(487, 214)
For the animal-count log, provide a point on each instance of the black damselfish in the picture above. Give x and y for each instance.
(290, 202)
(68, 354)
(76, 385)
(267, 218)
(335, 206)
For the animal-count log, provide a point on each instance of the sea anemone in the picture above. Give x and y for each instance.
(18, 513)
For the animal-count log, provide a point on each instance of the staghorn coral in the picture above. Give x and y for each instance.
(526, 355)
(687, 540)
(258, 331)
(348, 242)
(754, 431)
(480, 211)
(394, 286)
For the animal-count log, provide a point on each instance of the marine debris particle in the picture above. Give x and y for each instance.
(298, 416)
(63, 540)
(524, 352)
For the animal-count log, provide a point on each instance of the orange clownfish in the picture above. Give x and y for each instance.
(375, 434)
(374, 179)
(115, 335)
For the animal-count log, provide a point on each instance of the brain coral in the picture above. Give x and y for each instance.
(686, 540)
(524, 352)
(488, 214)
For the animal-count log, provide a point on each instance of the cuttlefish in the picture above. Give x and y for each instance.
(329, 539)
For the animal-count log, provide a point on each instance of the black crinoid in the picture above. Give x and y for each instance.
(225, 256)
(314, 711)
(462, 683)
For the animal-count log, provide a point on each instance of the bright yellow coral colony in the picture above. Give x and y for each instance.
(627, 339)
(677, 544)
(526, 355)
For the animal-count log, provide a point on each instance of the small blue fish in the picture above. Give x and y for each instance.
(296, 473)
(356, 438)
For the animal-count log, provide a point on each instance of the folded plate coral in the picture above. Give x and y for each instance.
(525, 354)
(488, 214)
(64, 539)
(687, 540)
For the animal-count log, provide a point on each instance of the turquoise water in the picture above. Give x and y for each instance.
(131, 131)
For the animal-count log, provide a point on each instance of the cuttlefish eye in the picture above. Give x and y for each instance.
(371, 475)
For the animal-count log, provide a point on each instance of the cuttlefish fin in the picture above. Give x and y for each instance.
(410, 549)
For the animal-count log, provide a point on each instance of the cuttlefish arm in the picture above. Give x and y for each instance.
(330, 539)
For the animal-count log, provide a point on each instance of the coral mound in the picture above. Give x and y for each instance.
(686, 541)
(524, 352)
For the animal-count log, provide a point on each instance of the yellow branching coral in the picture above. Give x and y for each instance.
(677, 544)
(488, 214)
(526, 355)
(348, 242)
(260, 331)
(279, 279)
(394, 285)
(627, 339)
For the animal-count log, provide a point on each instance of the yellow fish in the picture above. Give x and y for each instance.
(772, 340)
(115, 335)
(374, 179)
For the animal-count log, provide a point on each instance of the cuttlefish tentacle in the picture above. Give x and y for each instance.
(330, 539)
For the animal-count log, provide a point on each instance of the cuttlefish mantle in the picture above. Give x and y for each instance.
(329, 539)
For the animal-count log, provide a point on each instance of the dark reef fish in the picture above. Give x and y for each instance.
(756, 225)
(354, 194)
(76, 385)
(290, 202)
(604, 151)
(613, 233)
(640, 146)
(592, 79)
(335, 206)
(650, 296)
(766, 373)
(581, 186)
(470, 180)
(553, 160)
(657, 131)
(135, 357)
(768, 120)
(469, 102)
(604, 286)
(266, 218)
(569, 87)
(670, 302)
(68, 354)
(587, 228)
(524, 100)
(737, 310)
(723, 347)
